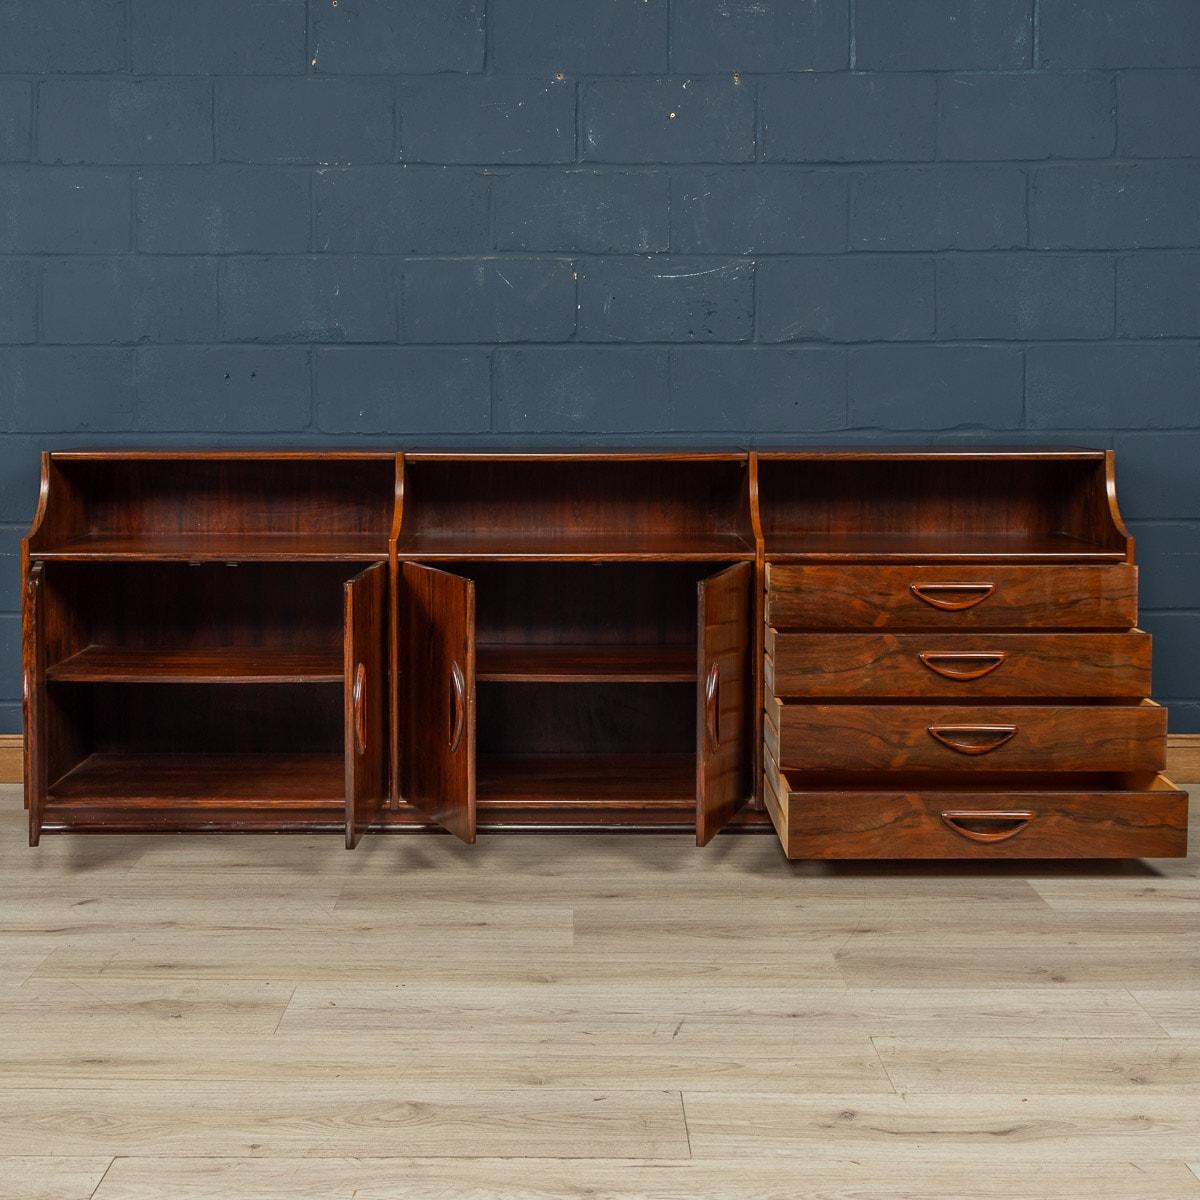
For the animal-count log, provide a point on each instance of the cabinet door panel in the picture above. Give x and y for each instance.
(437, 683)
(365, 672)
(724, 721)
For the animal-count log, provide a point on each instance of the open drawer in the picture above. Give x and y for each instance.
(1105, 816)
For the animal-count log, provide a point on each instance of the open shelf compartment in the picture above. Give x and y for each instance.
(129, 731)
(926, 506)
(612, 688)
(142, 622)
(126, 753)
(587, 507)
(220, 506)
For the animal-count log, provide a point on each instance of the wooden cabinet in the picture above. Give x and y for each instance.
(944, 644)
(951, 665)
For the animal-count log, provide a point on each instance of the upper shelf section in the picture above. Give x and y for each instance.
(930, 505)
(820, 505)
(224, 506)
(582, 507)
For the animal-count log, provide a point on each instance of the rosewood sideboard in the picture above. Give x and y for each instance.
(875, 653)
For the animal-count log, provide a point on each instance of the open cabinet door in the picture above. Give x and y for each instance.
(437, 683)
(365, 672)
(33, 676)
(724, 724)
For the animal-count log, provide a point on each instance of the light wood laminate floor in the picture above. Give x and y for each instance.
(275, 1018)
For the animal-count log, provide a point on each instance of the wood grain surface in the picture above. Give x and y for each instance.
(1045, 596)
(1014, 665)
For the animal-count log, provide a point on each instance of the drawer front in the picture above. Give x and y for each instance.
(969, 738)
(941, 597)
(944, 823)
(1029, 665)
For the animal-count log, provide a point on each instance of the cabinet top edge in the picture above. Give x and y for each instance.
(799, 453)
(230, 455)
(1007, 453)
(618, 456)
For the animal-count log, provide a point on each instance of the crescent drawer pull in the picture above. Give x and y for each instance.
(952, 597)
(458, 705)
(962, 665)
(1009, 824)
(360, 716)
(965, 738)
(712, 706)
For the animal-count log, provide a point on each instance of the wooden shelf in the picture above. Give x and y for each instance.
(585, 664)
(524, 546)
(226, 664)
(935, 547)
(169, 781)
(583, 779)
(219, 547)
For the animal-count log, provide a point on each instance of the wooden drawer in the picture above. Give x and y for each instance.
(941, 597)
(1094, 818)
(952, 665)
(970, 738)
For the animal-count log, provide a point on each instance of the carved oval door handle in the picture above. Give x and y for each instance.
(712, 706)
(996, 826)
(973, 739)
(952, 597)
(358, 695)
(962, 665)
(458, 705)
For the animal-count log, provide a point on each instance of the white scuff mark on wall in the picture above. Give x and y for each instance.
(691, 274)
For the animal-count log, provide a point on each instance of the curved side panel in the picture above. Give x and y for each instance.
(43, 502)
(755, 511)
(1114, 508)
(60, 510)
(398, 506)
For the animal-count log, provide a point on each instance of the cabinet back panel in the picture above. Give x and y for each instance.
(181, 718)
(586, 718)
(238, 495)
(576, 497)
(570, 603)
(150, 605)
(971, 496)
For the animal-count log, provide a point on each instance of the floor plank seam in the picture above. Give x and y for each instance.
(100, 1181)
(284, 1013)
(883, 1066)
(1165, 1031)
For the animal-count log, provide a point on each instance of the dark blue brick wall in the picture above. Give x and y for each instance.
(617, 222)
